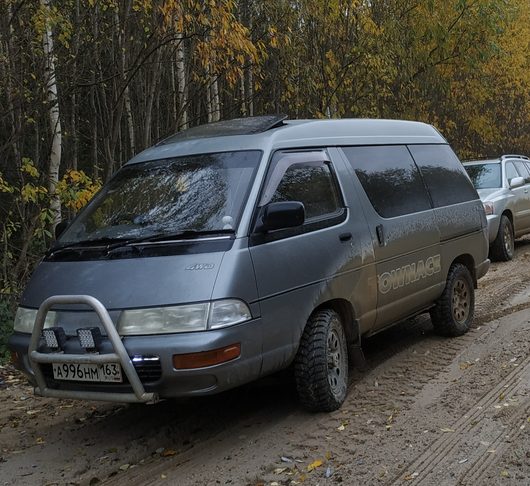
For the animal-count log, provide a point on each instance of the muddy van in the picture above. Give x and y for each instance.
(236, 249)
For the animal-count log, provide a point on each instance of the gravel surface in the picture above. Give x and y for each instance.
(427, 411)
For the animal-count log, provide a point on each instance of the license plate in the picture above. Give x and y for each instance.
(106, 372)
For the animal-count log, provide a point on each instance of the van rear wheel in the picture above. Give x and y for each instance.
(454, 310)
(502, 247)
(321, 365)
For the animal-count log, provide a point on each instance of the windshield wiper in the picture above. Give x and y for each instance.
(111, 244)
(185, 234)
(104, 241)
(169, 236)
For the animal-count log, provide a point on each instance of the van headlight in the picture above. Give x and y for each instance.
(25, 320)
(183, 318)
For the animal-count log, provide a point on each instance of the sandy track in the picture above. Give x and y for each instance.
(427, 410)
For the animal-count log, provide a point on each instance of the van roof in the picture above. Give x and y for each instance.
(275, 132)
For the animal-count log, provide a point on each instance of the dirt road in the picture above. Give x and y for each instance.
(426, 411)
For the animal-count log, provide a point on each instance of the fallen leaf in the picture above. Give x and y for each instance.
(314, 465)
(279, 470)
(124, 467)
(501, 397)
(462, 461)
(446, 430)
(163, 476)
(505, 474)
(40, 440)
(286, 459)
(168, 453)
(341, 427)
(412, 476)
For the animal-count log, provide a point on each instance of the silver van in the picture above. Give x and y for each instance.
(233, 250)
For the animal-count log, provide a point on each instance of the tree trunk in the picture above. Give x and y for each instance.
(54, 117)
(182, 83)
(151, 98)
(216, 104)
(13, 113)
(126, 93)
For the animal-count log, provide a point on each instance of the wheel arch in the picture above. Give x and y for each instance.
(345, 310)
(469, 262)
(508, 213)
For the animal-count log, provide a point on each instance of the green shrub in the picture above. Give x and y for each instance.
(7, 314)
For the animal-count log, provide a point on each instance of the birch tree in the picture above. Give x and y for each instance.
(53, 113)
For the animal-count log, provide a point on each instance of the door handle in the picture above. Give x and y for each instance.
(380, 234)
(345, 236)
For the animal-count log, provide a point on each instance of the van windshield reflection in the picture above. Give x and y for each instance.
(192, 195)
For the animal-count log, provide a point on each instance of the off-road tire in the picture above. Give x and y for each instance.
(321, 364)
(502, 247)
(454, 310)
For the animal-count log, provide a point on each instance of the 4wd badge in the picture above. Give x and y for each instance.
(200, 266)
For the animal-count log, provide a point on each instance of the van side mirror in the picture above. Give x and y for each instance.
(516, 182)
(60, 227)
(281, 215)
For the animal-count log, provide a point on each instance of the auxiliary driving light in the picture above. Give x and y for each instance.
(54, 337)
(90, 338)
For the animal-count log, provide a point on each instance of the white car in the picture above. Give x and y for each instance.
(503, 185)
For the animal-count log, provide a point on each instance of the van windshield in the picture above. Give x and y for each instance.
(192, 194)
(484, 176)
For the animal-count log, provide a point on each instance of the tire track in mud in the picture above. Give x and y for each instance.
(400, 362)
(423, 470)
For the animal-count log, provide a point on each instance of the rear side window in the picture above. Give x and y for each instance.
(511, 171)
(390, 179)
(443, 174)
(523, 171)
(313, 186)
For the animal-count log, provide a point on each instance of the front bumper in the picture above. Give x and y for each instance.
(156, 376)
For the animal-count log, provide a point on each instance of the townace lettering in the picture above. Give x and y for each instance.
(408, 274)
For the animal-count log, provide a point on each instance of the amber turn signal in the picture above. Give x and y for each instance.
(206, 358)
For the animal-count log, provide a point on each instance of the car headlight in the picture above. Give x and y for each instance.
(183, 318)
(25, 319)
(488, 207)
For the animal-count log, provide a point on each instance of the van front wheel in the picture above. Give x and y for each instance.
(321, 365)
(454, 310)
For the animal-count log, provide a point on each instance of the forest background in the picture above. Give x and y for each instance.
(86, 84)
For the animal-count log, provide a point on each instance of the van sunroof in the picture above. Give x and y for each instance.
(236, 126)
